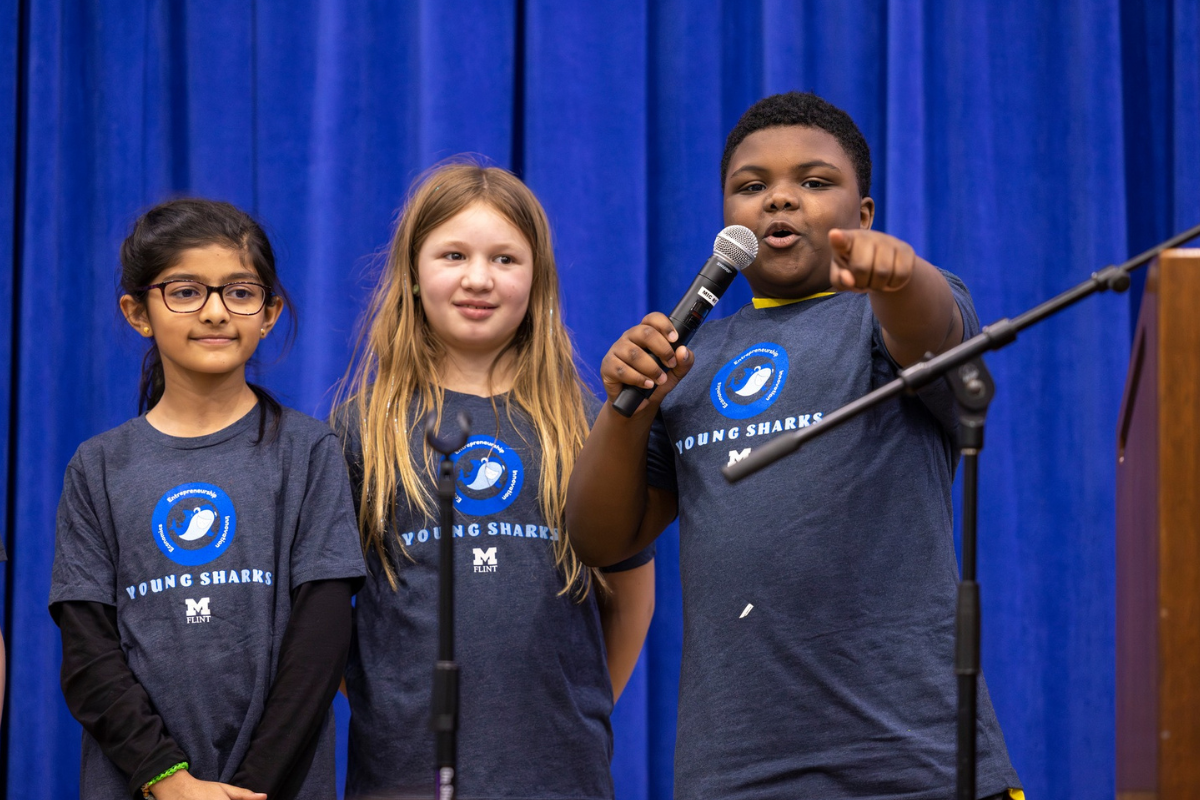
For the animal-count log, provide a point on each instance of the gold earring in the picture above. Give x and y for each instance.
(262, 333)
(416, 290)
(146, 329)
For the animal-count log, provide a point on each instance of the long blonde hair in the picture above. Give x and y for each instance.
(393, 381)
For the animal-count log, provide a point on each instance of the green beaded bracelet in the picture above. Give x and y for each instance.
(146, 786)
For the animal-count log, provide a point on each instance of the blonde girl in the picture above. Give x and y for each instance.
(466, 317)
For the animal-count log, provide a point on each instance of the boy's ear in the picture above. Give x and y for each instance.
(136, 315)
(866, 213)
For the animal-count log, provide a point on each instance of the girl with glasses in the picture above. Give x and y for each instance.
(466, 318)
(206, 550)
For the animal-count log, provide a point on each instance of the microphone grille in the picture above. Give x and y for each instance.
(737, 245)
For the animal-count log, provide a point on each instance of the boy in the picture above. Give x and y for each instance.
(818, 593)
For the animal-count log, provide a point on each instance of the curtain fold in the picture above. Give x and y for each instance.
(10, 173)
(1020, 145)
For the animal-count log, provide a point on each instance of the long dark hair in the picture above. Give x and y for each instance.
(157, 242)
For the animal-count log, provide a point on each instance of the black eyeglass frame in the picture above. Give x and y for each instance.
(268, 295)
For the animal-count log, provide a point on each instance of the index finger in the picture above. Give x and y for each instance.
(660, 322)
(841, 241)
(646, 338)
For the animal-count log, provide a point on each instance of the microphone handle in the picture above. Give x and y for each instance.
(705, 291)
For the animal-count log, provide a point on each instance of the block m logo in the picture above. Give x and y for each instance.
(197, 608)
(484, 557)
(737, 455)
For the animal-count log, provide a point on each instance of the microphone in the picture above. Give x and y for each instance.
(735, 249)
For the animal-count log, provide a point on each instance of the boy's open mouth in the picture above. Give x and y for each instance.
(779, 234)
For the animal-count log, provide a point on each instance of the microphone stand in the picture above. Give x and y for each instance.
(963, 368)
(445, 672)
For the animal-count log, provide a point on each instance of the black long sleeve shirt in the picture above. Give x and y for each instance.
(104, 695)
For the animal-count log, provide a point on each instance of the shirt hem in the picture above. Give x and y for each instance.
(346, 574)
(81, 597)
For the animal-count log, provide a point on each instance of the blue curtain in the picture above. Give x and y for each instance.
(1021, 145)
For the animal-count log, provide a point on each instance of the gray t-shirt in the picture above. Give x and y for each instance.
(199, 542)
(535, 696)
(818, 593)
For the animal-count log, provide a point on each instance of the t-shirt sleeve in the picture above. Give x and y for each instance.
(966, 305)
(326, 546)
(633, 562)
(937, 396)
(84, 567)
(344, 422)
(591, 405)
(660, 458)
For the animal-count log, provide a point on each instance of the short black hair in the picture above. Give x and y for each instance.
(806, 110)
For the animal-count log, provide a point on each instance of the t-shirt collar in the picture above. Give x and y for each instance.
(776, 302)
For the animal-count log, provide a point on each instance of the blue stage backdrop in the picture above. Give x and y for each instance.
(1021, 145)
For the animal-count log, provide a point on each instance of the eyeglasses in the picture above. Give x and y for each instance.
(186, 297)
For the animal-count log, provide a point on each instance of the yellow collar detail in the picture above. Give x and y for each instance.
(775, 302)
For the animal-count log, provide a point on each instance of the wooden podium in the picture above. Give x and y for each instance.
(1158, 542)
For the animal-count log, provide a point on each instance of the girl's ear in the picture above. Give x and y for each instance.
(271, 312)
(136, 315)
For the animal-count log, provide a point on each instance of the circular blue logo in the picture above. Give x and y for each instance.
(748, 384)
(194, 523)
(489, 476)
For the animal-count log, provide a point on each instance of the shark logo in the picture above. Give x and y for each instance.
(199, 524)
(194, 523)
(487, 474)
(749, 383)
(754, 380)
(490, 476)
